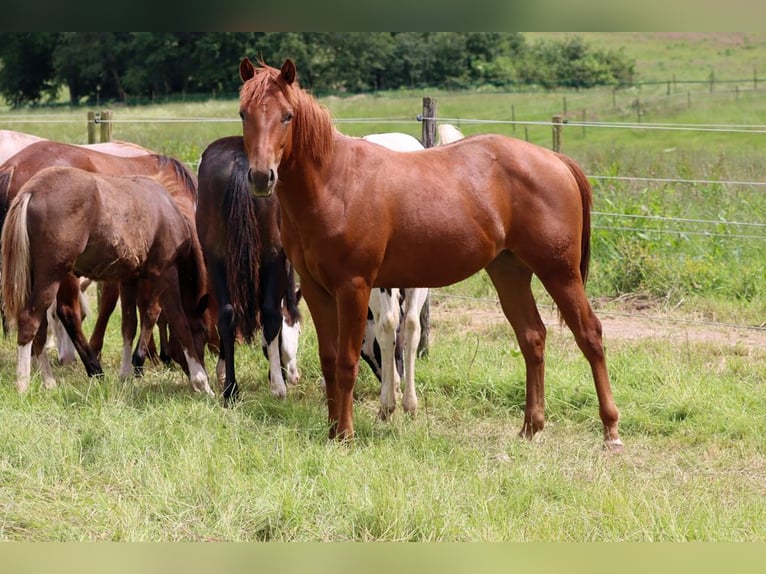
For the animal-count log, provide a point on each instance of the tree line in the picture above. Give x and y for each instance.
(135, 66)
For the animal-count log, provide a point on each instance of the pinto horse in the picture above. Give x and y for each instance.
(70, 222)
(18, 169)
(356, 215)
(247, 267)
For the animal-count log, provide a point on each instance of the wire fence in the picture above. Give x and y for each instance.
(603, 220)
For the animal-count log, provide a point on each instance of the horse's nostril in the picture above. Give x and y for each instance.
(272, 177)
(261, 180)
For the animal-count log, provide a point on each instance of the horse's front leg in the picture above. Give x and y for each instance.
(128, 295)
(351, 300)
(325, 317)
(149, 310)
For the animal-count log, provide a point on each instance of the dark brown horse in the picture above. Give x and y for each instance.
(19, 168)
(248, 270)
(356, 215)
(69, 222)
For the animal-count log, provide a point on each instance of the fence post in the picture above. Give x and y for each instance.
(429, 122)
(556, 128)
(106, 126)
(91, 127)
(429, 140)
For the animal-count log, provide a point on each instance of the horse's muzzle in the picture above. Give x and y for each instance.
(262, 182)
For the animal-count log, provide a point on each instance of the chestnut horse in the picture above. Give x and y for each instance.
(247, 267)
(18, 169)
(67, 222)
(356, 215)
(389, 350)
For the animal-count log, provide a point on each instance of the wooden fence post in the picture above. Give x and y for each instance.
(556, 128)
(106, 126)
(91, 127)
(429, 140)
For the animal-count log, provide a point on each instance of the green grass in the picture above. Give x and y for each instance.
(150, 460)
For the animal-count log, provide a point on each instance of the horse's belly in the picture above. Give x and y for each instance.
(116, 261)
(429, 265)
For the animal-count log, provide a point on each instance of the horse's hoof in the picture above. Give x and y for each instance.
(613, 446)
(385, 413)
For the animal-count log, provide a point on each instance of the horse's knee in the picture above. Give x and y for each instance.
(532, 345)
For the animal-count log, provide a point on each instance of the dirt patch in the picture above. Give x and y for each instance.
(625, 324)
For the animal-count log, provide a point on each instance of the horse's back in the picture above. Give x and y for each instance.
(11, 142)
(110, 225)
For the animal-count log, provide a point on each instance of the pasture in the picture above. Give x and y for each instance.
(680, 289)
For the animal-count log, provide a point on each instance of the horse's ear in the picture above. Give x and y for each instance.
(288, 71)
(246, 69)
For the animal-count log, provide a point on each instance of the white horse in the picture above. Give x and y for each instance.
(393, 327)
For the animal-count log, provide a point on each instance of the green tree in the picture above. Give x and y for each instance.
(26, 74)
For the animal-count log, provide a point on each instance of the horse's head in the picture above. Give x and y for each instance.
(267, 110)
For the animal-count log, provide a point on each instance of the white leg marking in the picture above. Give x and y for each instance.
(386, 322)
(23, 366)
(197, 376)
(276, 382)
(414, 302)
(49, 382)
(289, 351)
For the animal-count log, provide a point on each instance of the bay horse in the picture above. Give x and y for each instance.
(251, 280)
(66, 222)
(18, 169)
(356, 215)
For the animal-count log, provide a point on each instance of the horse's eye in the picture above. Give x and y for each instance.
(287, 117)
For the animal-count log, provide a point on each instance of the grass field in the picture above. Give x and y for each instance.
(148, 459)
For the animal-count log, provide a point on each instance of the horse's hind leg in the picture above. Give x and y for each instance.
(32, 327)
(109, 293)
(411, 329)
(273, 283)
(513, 281)
(68, 311)
(384, 304)
(569, 296)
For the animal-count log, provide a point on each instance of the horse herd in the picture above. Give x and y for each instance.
(367, 224)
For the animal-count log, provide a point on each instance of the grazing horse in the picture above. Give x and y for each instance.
(248, 270)
(12, 142)
(356, 215)
(69, 222)
(18, 169)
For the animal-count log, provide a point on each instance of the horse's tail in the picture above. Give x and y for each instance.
(5, 183)
(587, 200)
(243, 250)
(16, 276)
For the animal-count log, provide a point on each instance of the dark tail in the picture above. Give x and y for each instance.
(587, 201)
(243, 252)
